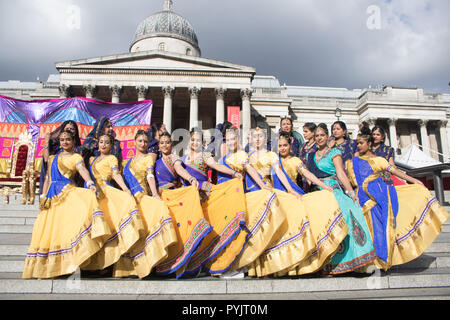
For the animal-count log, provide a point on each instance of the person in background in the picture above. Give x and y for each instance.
(342, 141)
(287, 126)
(90, 147)
(153, 134)
(307, 147)
(380, 149)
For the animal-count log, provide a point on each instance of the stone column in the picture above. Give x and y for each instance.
(193, 115)
(393, 133)
(142, 92)
(424, 136)
(167, 116)
(444, 141)
(116, 90)
(220, 105)
(89, 91)
(246, 94)
(64, 91)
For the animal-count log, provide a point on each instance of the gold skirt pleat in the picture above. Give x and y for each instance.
(123, 218)
(153, 248)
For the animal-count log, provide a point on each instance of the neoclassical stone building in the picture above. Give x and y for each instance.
(164, 64)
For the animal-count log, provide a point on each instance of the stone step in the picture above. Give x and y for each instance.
(18, 214)
(212, 286)
(27, 228)
(18, 206)
(17, 221)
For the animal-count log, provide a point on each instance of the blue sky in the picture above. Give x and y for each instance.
(302, 42)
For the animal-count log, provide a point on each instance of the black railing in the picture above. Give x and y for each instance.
(435, 171)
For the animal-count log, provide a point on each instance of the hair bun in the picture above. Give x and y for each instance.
(365, 129)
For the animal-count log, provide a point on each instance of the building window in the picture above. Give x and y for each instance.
(162, 46)
(189, 52)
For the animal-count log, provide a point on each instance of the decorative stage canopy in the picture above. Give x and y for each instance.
(39, 117)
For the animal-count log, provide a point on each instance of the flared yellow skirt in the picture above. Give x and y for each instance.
(311, 234)
(123, 218)
(66, 235)
(225, 210)
(264, 218)
(190, 226)
(328, 228)
(419, 221)
(152, 249)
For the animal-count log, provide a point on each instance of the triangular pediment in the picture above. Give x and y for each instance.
(155, 60)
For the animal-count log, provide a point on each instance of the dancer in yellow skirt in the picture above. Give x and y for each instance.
(118, 206)
(403, 220)
(223, 207)
(185, 208)
(263, 215)
(294, 242)
(326, 221)
(160, 231)
(70, 227)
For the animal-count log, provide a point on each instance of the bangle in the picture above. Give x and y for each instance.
(150, 175)
(351, 194)
(234, 174)
(191, 179)
(90, 183)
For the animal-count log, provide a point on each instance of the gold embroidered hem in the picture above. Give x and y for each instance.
(264, 218)
(419, 222)
(65, 236)
(152, 249)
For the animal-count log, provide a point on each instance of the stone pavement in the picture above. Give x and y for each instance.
(427, 277)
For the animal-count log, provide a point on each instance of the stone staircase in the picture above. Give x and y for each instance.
(426, 277)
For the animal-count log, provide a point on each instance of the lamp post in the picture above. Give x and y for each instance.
(338, 113)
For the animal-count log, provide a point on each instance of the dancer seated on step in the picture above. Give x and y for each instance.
(118, 206)
(152, 249)
(356, 251)
(70, 227)
(403, 220)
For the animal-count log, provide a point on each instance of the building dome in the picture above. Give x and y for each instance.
(162, 26)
